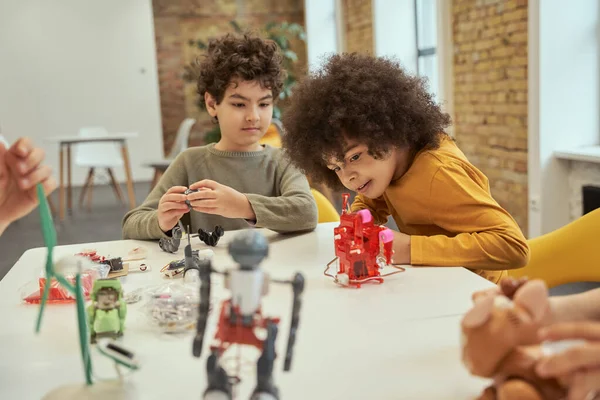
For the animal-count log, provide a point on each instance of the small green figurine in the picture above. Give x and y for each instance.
(107, 312)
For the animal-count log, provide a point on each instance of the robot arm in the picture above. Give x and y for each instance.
(298, 287)
(205, 271)
(386, 236)
(171, 244)
(211, 238)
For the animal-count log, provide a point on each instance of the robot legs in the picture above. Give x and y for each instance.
(219, 385)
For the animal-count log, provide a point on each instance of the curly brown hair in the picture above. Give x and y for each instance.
(363, 99)
(247, 57)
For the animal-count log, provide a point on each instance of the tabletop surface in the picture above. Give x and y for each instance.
(396, 340)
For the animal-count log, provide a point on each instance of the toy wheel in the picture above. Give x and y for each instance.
(343, 279)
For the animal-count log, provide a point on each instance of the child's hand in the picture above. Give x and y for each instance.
(507, 287)
(579, 364)
(214, 198)
(171, 207)
(21, 170)
(401, 248)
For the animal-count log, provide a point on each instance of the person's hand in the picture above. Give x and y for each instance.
(172, 207)
(579, 365)
(21, 170)
(214, 198)
(506, 287)
(401, 248)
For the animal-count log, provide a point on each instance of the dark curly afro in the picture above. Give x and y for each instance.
(363, 99)
(247, 57)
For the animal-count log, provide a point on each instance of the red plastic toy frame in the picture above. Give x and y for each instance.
(229, 333)
(358, 248)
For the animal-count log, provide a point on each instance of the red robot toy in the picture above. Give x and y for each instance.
(241, 315)
(362, 248)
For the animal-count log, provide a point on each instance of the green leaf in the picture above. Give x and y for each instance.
(290, 55)
(235, 26)
(295, 28)
(213, 136)
(270, 25)
(281, 41)
(276, 112)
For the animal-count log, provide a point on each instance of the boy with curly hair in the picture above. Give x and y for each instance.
(239, 182)
(365, 123)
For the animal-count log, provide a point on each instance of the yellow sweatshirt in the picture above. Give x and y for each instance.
(445, 204)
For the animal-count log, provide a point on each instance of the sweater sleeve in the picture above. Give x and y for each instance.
(485, 235)
(292, 210)
(141, 223)
(378, 208)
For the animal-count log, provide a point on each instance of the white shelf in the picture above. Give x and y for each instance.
(586, 153)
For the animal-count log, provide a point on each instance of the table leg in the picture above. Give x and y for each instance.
(157, 174)
(51, 204)
(69, 186)
(130, 192)
(61, 204)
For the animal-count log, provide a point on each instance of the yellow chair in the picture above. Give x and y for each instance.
(327, 212)
(566, 255)
(273, 135)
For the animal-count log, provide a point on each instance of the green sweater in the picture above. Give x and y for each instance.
(278, 193)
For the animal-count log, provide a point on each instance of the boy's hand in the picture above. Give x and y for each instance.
(171, 207)
(214, 198)
(579, 364)
(21, 170)
(401, 248)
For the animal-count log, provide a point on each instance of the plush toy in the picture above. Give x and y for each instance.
(500, 341)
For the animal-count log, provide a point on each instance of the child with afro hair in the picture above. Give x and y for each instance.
(364, 123)
(239, 182)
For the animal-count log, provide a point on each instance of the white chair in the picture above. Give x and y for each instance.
(182, 138)
(100, 155)
(179, 145)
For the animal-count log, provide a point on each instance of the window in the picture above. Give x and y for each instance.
(426, 35)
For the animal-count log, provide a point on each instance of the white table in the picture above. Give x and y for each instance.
(398, 340)
(69, 140)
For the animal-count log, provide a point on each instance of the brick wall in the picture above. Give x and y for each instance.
(490, 95)
(358, 26)
(176, 22)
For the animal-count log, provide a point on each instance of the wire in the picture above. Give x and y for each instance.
(397, 266)
(360, 281)
(327, 268)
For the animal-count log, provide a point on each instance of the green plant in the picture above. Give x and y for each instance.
(281, 33)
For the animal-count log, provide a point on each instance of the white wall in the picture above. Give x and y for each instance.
(563, 111)
(71, 63)
(394, 31)
(322, 34)
(445, 52)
